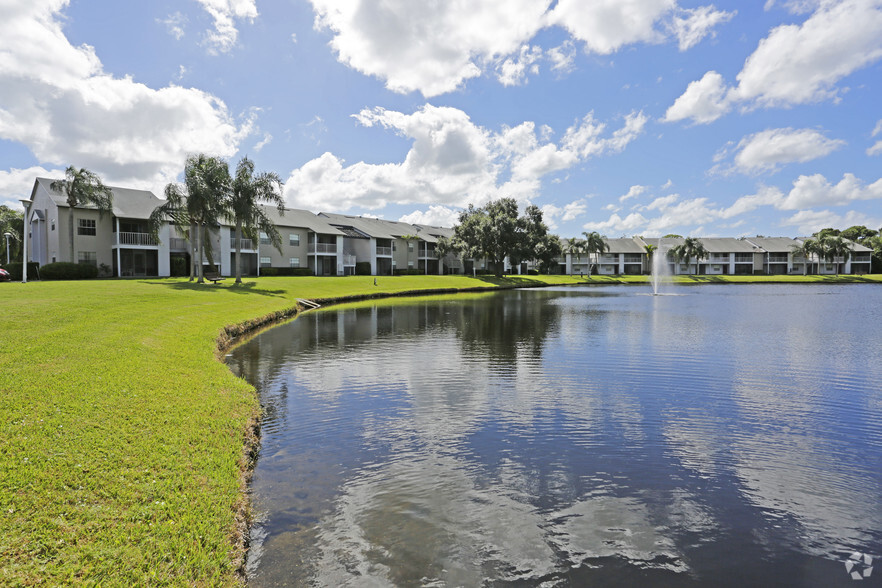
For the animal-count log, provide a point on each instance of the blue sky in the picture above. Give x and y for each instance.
(629, 117)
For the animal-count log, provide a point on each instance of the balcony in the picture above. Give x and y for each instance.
(777, 259)
(323, 248)
(427, 254)
(744, 258)
(384, 251)
(135, 239)
(348, 260)
(247, 244)
(178, 244)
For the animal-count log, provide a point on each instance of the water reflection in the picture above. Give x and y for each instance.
(571, 437)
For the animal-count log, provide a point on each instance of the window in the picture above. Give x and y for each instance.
(264, 239)
(409, 265)
(87, 257)
(410, 246)
(86, 227)
(52, 223)
(266, 262)
(394, 246)
(294, 240)
(294, 262)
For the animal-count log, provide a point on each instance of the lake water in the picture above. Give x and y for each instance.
(727, 436)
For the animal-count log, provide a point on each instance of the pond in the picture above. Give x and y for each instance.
(724, 436)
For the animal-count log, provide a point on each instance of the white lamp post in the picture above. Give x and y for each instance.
(7, 235)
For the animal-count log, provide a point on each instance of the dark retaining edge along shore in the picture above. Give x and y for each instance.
(233, 335)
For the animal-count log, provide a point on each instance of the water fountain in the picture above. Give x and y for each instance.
(660, 269)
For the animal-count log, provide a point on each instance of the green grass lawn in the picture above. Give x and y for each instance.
(122, 435)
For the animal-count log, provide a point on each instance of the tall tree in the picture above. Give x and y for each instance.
(199, 204)
(575, 246)
(834, 248)
(858, 233)
(691, 248)
(808, 249)
(12, 222)
(650, 251)
(248, 192)
(595, 243)
(82, 187)
(490, 231)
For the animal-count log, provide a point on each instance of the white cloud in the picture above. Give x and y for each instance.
(452, 160)
(633, 192)
(794, 64)
(552, 213)
(563, 56)
(704, 101)
(816, 190)
(513, 71)
(768, 150)
(877, 148)
(267, 139)
(696, 23)
(225, 14)
(616, 224)
(175, 24)
(58, 102)
(435, 47)
(808, 222)
(437, 216)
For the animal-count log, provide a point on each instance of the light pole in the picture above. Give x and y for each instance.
(24, 238)
(7, 235)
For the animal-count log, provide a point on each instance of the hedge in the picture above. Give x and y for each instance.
(65, 270)
(14, 270)
(362, 268)
(409, 272)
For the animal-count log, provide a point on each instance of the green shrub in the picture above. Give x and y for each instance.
(286, 271)
(14, 270)
(362, 268)
(409, 272)
(64, 270)
(532, 272)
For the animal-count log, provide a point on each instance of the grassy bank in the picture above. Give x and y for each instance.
(121, 438)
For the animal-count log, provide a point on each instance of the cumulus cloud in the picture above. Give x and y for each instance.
(768, 150)
(435, 47)
(175, 24)
(16, 184)
(633, 192)
(562, 57)
(61, 105)
(794, 64)
(808, 222)
(452, 160)
(877, 148)
(513, 71)
(436, 216)
(693, 25)
(225, 14)
(551, 213)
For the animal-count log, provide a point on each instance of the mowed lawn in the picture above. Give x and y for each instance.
(122, 435)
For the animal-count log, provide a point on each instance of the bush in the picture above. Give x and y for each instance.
(362, 268)
(64, 270)
(409, 272)
(532, 272)
(14, 270)
(286, 271)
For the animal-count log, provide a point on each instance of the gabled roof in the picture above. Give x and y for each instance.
(727, 245)
(774, 244)
(296, 217)
(624, 245)
(127, 202)
(373, 227)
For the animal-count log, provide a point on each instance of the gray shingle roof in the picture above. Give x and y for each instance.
(127, 203)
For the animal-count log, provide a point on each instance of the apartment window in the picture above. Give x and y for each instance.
(86, 227)
(264, 239)
(394, 246)
(87, 258)
(410, 246)
(409, 265)
(294, 240)
(294, 262)
(265, 262)
(52, 224)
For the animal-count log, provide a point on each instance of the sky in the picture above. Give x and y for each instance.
(626, 117)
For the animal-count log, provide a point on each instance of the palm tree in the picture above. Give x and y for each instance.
(11, 221)
(200, 203)
(809, 248)
(650, 251)
(594, 243)
(575, 246)
(833, 248)
(690, 249)
(244, 207)
(82, 188)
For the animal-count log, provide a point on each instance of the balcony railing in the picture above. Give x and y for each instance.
(349, 260)
(135, 239)
(246, 244)
(861, 259)
(322, 248)
(745, 258)
(387, 251)
(427, 254)
(777, 259)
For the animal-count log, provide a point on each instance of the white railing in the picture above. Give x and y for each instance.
(136, 239)
(748, 258)
(322, 248)
(349, 260)
(387, 251)
(246, 244)
(777, 259)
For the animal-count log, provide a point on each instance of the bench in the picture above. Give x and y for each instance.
(214, 278)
